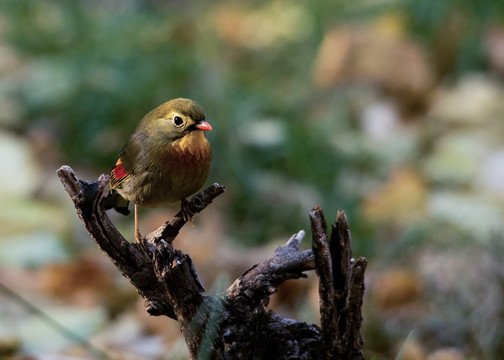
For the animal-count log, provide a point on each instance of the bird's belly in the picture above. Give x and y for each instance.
(168, 184)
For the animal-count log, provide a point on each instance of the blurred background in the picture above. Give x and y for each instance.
(391, 110)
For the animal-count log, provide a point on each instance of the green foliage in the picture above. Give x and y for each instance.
(454, 29)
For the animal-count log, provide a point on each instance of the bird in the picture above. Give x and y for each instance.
(166, 159)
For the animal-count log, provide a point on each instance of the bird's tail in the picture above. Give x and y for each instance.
(116, 201)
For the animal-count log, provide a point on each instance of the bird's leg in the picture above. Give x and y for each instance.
(138, 236)
(187, 214)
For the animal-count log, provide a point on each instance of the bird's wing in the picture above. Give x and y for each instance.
(124, 168)
(118, 174)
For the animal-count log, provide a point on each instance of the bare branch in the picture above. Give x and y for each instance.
(341, 287)
(262, 280)
(236, 324)
(170, 229)
(132, 260)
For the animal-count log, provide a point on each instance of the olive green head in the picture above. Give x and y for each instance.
(174, 119)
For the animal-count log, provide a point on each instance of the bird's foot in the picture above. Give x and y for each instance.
(138, 237)
(187, 214)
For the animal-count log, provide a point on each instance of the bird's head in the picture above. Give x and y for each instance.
(175, 119)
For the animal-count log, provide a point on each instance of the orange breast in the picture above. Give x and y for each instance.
(184, 168)
(192, 149)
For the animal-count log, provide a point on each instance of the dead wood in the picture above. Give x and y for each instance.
(236, 324)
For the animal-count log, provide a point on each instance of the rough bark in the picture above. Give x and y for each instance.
(236, 325)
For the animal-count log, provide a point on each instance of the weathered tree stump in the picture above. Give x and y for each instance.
(236, 325)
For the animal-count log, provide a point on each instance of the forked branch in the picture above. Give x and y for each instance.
(236, 325)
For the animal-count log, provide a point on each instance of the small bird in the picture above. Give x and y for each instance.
(165, 160)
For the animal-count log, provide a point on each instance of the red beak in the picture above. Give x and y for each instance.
(203, 125)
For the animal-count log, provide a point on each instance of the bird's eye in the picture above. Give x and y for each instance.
(177, 120)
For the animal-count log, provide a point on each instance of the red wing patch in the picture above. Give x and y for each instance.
(118, 174)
